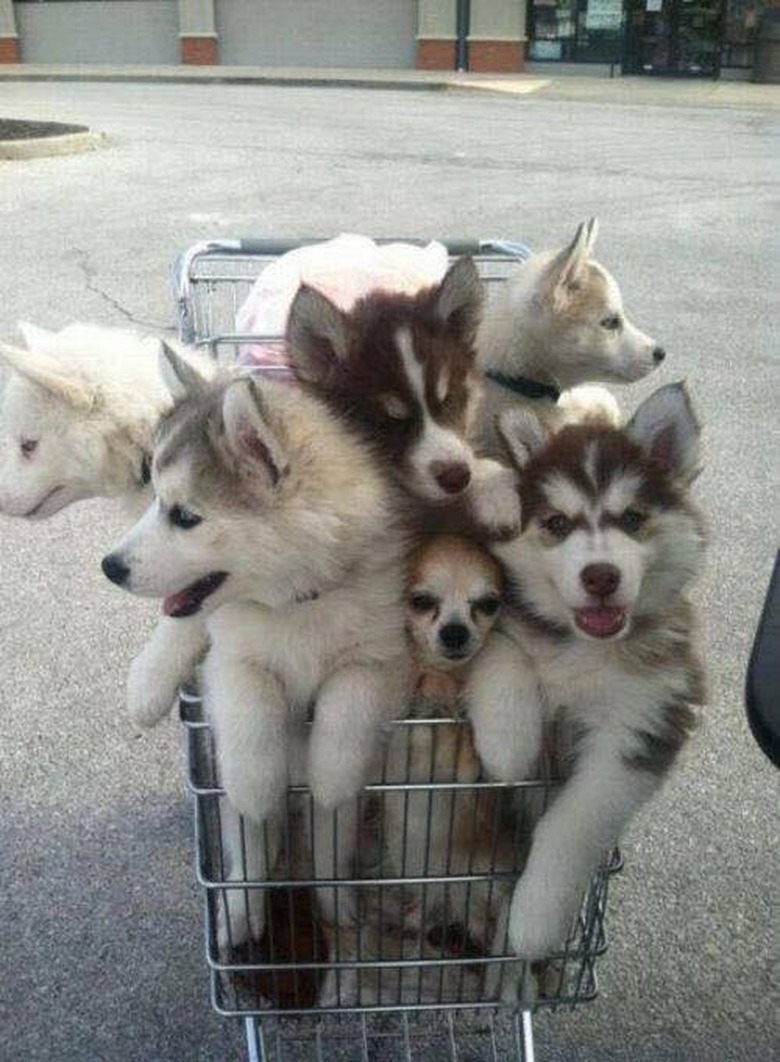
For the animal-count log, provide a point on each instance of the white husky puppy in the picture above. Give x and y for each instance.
(598, 626)
(558, 322)
(77, 418)
(274, 521)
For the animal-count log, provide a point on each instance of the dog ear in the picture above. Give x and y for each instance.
(249, 436)
(567, 266)
(459, 298)
(666, 428)
(49, 373)
(180, 376)
(317, 338)
(523, 433)
(591, 232)
(38, 339)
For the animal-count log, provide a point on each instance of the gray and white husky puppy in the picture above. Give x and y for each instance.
(598, 627)
(558, 323)
(273, 521)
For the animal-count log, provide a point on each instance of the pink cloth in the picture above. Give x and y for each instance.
(344, 269)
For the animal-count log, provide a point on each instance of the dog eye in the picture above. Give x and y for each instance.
(183, 518)
(395, 407)
(631, 520)
(28, 446)
(558, 525)
(422, 602)
(611, 323)
(487, 605)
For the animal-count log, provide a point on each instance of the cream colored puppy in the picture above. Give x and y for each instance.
(454, 596)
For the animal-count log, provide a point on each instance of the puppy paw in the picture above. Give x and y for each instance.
(256, 792)
(332, 782)
(151, 690)
(539, 920)
(496, 503)
(501, 758)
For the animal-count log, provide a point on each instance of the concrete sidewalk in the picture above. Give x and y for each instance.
(586, 88)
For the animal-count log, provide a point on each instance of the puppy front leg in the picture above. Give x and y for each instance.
(504, 705)
(249, 714)
(584, 821)
(351, 706)
(249, 852)
(494, 500)
(166, 661)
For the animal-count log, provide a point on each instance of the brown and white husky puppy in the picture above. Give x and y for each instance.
(402, 370)
(556, 323)
(274, 522)
(599, 626)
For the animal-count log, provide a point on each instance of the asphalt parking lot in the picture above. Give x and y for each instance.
(100, 916)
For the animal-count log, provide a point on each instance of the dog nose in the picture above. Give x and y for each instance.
(452, 476)
(454, 635)
(601, 580)
(114, 569)
(658, 354)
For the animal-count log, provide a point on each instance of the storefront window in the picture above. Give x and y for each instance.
(576, 30)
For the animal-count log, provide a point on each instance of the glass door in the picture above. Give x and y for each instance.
(681, 38)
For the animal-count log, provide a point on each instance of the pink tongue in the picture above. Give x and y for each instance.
(601, 621)
(176, 602)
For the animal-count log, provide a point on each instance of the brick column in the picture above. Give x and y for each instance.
(436, 36)
(497, 40)
(198, 33)
(9, 38)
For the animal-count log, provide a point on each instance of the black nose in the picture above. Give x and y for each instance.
(659, 354)
(601, 580)
(454, 635)
(114, 569)
(453, 477)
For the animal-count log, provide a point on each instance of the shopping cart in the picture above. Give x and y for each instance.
(373, 989)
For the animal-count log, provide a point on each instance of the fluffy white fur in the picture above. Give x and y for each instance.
(628, 694)
(294, 510)
(78, 415)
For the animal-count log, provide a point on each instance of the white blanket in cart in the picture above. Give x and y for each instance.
(344, 269)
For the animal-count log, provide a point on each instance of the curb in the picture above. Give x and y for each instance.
(293, 77)
(40, 147)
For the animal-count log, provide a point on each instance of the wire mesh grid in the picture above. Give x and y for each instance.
(420, 929)
(212, 281)
(404, 953)
(440, 1037)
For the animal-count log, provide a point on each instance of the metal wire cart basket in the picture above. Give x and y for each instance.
(417, 964)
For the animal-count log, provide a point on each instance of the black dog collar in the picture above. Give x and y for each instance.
(522, 385)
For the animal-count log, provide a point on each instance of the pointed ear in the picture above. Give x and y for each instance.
(36, 338)
(523, 433)
(567, 265)
(666, 428)
(459, 298)
(591, 232)
(180, 376)
(317, 335)
(50, 374)
(250, 438)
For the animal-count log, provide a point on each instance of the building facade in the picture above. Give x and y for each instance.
(679, 37)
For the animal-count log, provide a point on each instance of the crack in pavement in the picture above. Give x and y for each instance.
(89, 272)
